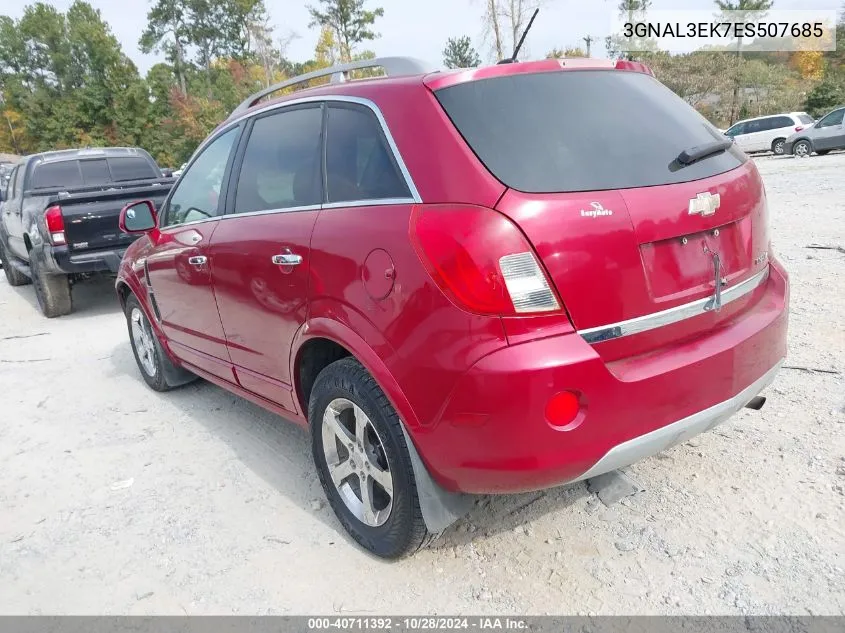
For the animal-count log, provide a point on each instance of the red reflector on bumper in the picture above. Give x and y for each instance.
(562, 409)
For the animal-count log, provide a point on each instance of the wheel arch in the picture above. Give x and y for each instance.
(803, 138)
(440, 507)
(321, 330)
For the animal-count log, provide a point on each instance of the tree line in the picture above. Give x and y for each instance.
(65, 80)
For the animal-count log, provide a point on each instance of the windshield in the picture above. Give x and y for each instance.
(582, 131)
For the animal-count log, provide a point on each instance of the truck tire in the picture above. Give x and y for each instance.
(52, 291)
(13, 275)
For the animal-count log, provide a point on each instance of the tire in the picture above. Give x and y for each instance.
(822, 152)
(13, 275)
(52, 291)
(777, 146)
(346, 399)
(157, 370)
(802, 148)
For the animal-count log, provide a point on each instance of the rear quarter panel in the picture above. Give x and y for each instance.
(423, 340)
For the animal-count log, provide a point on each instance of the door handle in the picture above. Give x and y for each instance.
(287, 259)
(197, 260)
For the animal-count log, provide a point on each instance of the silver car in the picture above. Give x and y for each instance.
(828, 133)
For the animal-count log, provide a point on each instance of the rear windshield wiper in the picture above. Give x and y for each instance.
(694, 154)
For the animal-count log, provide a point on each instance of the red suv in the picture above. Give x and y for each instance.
(479, 281)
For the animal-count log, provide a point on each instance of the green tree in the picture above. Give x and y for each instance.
(167, 31)
(349, 20)
(569, 51)
(824, 97)
(459, 53)
(743, 6)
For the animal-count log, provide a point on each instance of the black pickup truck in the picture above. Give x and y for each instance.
(59, 217)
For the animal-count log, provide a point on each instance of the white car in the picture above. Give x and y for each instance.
(767, 133)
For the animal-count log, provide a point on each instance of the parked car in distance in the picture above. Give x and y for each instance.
(825, 135)
(481, 298)
(767, 133)
(59, 223)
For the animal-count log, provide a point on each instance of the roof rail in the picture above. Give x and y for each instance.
(393, 67)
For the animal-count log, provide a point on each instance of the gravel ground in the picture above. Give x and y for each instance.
(117, 500)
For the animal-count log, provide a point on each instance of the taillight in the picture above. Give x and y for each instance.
(481, 260)
(798, 128)
(55, 224)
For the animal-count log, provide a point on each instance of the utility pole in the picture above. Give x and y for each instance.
(588, 41)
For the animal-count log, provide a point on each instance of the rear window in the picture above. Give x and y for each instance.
(131, 168)
(95, 172)
(63, 174)
(582, 131)
(806, 118)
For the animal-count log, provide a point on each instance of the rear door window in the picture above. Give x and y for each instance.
(806, 119)
(281, 165)
(61, 174)
(359, 162)
(584, 130)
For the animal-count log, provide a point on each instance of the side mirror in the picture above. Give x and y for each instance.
(138, 217)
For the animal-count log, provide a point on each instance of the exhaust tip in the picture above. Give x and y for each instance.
(756, 403)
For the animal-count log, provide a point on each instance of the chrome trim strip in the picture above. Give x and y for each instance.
(672, 315)
(369, 203)
(667, 436)
(307, 207)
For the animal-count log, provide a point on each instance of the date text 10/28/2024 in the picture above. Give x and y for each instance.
(425, 623)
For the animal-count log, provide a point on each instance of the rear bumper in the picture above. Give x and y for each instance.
(62, 260)
(492, 435)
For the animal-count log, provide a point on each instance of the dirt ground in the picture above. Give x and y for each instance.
(118, 500)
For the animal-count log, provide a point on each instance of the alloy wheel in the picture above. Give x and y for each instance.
(778, 148)
(142, 337)
(801, 149)
(357, 462)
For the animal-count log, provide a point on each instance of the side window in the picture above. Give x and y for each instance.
(753, 126)
(10, 186)
(281, 165)
(834, 118)
(736, 130)
(778, 122)
(18, 191)
(359, 163)
(197, 196)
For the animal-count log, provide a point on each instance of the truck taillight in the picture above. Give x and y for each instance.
(55, 225)
(798, 128)
(481, 260)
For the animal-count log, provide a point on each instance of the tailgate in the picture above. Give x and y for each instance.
(92, 222)
(619, 255)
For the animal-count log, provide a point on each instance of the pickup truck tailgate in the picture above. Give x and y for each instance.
(92, 222)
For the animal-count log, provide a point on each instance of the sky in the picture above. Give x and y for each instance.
(412, 27)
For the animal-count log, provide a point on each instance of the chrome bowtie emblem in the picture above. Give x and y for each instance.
(704, 204)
